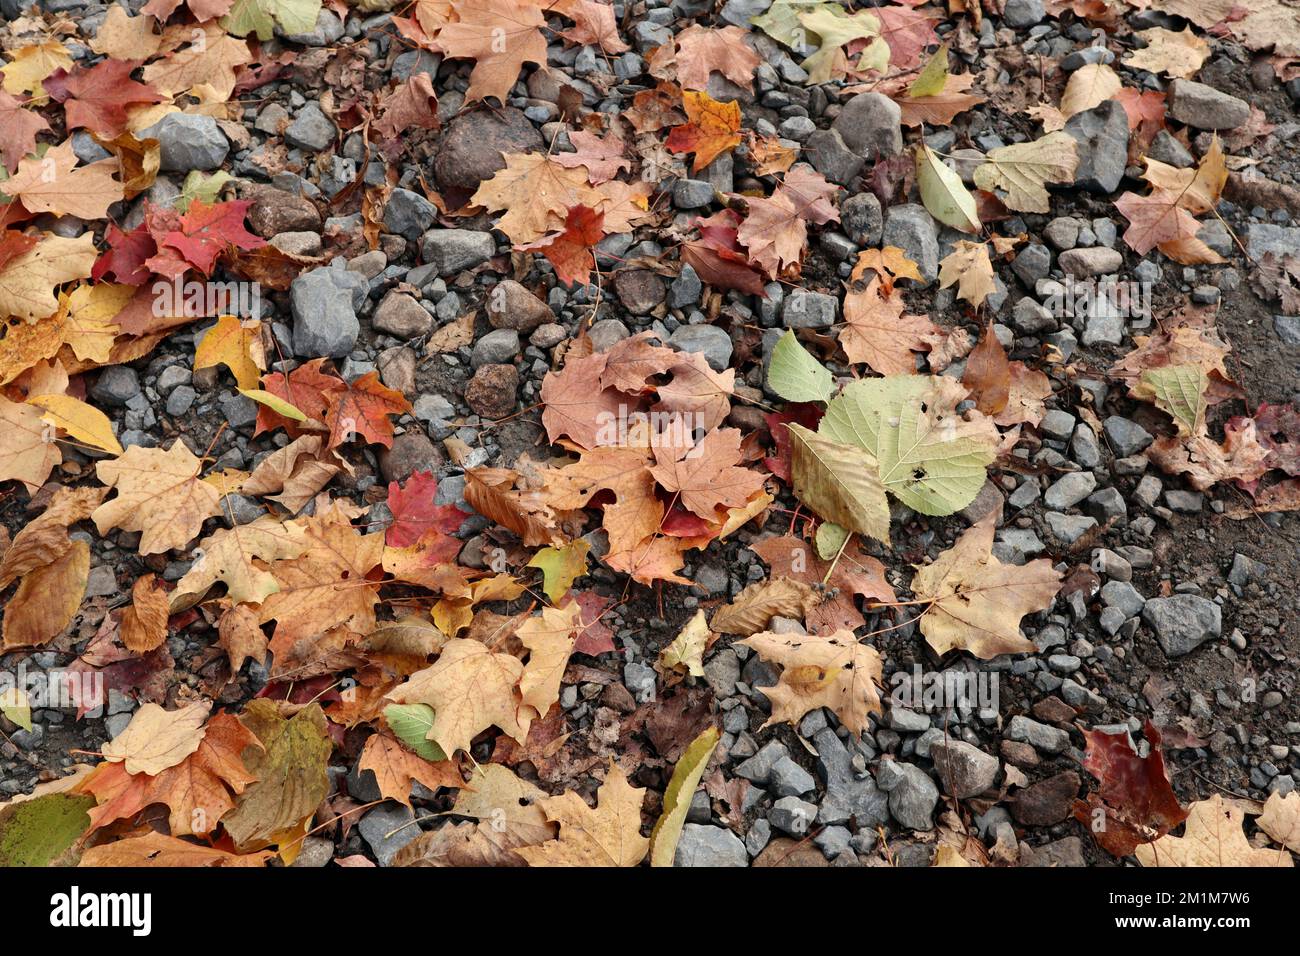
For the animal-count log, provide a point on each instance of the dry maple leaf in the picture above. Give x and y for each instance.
(1205, 462)
(157, 739)
(18, 129)
(395, 768)
(28, 280)
(47, 599)
(412, 105)
(234, 556)
(1213, 836)
(609, 835)
(1089, 86)
(774, 231)
(1155, 220)
(571, 251)
(754, 607)
(576, 403)
(363, 408)
(1281, 819)
(635, 514)
(55, 184)
(976, 601)
(854, 574)
(969, 267)
(324, 587)
(197, 791)
(97, 99)
(470, 689)
(595, 24)
(155, 849)
(837, 672)
(537, 194)
(144, 623)
(712, 128)
(159, 494)
(550, 639)
(500, 36)
(45, 538)
(603, 157)
(701, 51)
(940, 109)
(988, 374)
(290, 769)
(1174, 54)
(492, 493)
(706, 476)
(28, 452)
(879, 333)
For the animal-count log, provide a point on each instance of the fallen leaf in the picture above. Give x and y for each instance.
(975, 602)
(837, 672)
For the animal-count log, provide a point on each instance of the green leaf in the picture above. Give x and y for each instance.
(412, 723)
(840, 481)
(274, 402)
(781, 23)
(795, 375)
(677, 798)
(829, 539)
(201, 187)
(261, 16)
(929, 456)
(930, 81)
(943, 193)
(1178, 390)
(37, 832)
(560, 566)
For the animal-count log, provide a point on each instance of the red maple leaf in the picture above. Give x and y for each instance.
(718, 257)
(97, 98)
(14, 244)
(570, 250)
(1134, 802)
(362, 408)
(18, 129)
(307, 388)
(800, 413)
(415, 514)
(124, 260)
(205, 232)
(595, 636)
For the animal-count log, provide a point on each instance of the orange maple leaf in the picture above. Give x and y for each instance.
(712, 128)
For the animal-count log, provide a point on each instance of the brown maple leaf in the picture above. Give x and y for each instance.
(706, 476)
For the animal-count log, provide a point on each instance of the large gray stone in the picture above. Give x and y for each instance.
(188, 141)
(831, 156)
(455, 250)
(408, 214)
(324, 304)
(910, 227)
(1183, 622)
(387, 828)
(311, 130)
(710, 341)
(704, 845)
(1203, 107)
(1102, 136)
(964, 770)
(871, 125)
